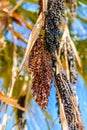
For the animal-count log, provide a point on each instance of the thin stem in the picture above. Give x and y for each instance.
(67, 66)
(45, 2)
(11, 86)
(16, 6)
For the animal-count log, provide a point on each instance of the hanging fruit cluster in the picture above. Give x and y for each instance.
(39, 64)
(44, 56)
(66, 92)
(53, 20)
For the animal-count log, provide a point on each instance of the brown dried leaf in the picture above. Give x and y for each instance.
(18, 19)
(21, 19)
(10, 100)
(32, 38)
(4, 4)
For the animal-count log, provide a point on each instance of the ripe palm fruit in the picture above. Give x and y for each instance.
(52, 24)
(65, 93)
(40, 67)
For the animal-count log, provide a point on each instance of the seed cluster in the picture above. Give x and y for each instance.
(72, 64)
(53, 20)
(39, 65)
(64, 87)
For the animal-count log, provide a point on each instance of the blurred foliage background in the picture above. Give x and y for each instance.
(16, 22)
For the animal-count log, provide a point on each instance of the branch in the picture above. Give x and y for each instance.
(32, 38)
(10, 100)
(16, 6)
